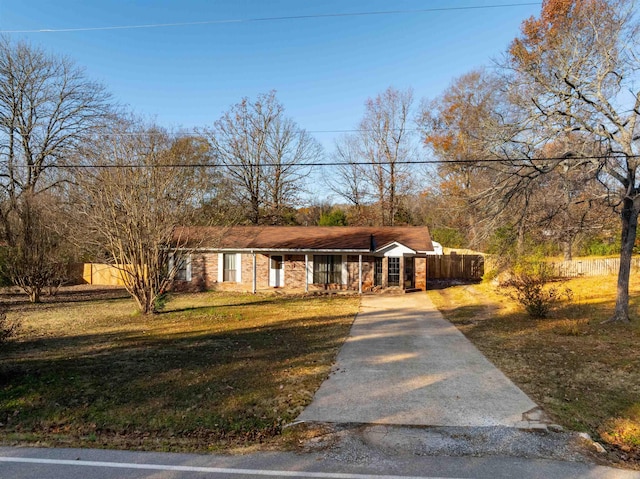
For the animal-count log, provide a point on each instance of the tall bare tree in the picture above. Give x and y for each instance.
(47, 107)
(349, 180)
(265, 155)
(577, 65)
(138, 186)
(378, 153)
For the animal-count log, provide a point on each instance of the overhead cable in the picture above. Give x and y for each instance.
(272, 19)
(335, 163)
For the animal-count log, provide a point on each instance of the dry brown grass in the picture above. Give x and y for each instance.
(584, 373)
(215, 371)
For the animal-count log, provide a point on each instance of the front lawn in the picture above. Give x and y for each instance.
(584, 373)
(215, 371)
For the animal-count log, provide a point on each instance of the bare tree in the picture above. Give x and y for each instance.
(375, 159)
(47, 107)
(38, 259)
(139, 185)
(528, 184)
(348, 180)
(265, 155)
(577, 64)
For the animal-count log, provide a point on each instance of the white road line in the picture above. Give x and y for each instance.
(215, 470)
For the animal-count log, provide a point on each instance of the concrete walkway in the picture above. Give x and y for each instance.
(404, 364)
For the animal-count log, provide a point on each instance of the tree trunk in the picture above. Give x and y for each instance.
(568, 249)
(520, 251)
(629, 228)
(34, 294)
(145, 305)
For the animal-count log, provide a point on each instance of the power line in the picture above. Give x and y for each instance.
(335, 163)
(271, 19)
(195, 132)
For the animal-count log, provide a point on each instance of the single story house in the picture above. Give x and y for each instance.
(252, 258)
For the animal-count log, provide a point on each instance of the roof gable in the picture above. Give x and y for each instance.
(395, 249)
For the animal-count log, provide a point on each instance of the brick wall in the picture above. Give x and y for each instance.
(368, 265)
(262, 271)
(204, 273)
(294, 271)
(421, 273)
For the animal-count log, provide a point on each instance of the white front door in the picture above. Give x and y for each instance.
(276, 272)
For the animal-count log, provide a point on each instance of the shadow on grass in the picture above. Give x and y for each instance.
(436, 284)
(11, 299)
(233, 385)
(213, 305)
(582, 372)
(272, 299)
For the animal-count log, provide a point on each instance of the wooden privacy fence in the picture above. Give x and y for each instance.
(96, 273)
(590, 267)
(455, 266)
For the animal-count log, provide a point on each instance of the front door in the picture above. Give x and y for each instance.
(377, 273)
(409, 269)
(276, 272)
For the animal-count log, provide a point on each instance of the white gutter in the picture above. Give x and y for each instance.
(276, 250)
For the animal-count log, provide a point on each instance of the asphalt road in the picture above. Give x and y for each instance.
(32, 463)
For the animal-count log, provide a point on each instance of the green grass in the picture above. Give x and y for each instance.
(584, 373)
(215, 371)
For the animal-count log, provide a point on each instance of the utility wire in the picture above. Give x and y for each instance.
(335, 163)
(271, 19)
(187, 133)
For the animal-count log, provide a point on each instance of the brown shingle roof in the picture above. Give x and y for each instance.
(304, 237)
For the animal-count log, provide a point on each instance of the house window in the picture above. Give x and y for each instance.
(377, 274)
(394, 272)
(180, 267)
(327, 269)
(229, 271)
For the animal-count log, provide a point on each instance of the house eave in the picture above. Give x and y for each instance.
(276, 250)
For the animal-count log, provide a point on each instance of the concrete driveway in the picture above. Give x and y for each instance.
(404, 364)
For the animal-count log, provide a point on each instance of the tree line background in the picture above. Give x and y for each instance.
(537, 153)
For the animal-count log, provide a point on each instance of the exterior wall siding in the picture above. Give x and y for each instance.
(368, 265)
(421, 273)
(204, 274)
(294, 271)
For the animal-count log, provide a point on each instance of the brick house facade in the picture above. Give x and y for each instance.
(302, 258)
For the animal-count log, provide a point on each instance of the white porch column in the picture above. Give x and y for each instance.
(306, 273)
(345, 272)
(255, 281)
(360, 274)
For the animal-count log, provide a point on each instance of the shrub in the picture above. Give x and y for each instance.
(334, 218)
(528, 284)
(600, 247)
(160, 301)
(8, 327)
(449, 237)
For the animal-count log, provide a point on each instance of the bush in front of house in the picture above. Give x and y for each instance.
(532, 285)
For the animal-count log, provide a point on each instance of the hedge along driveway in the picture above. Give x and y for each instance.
(214, 371)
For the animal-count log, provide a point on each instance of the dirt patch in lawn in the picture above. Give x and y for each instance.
(215, 371)
(584, 373)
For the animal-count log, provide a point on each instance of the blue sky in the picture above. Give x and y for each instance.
(323, 69)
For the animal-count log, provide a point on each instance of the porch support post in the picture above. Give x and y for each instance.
(360, 273)
(255, 280)
(306, 273)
